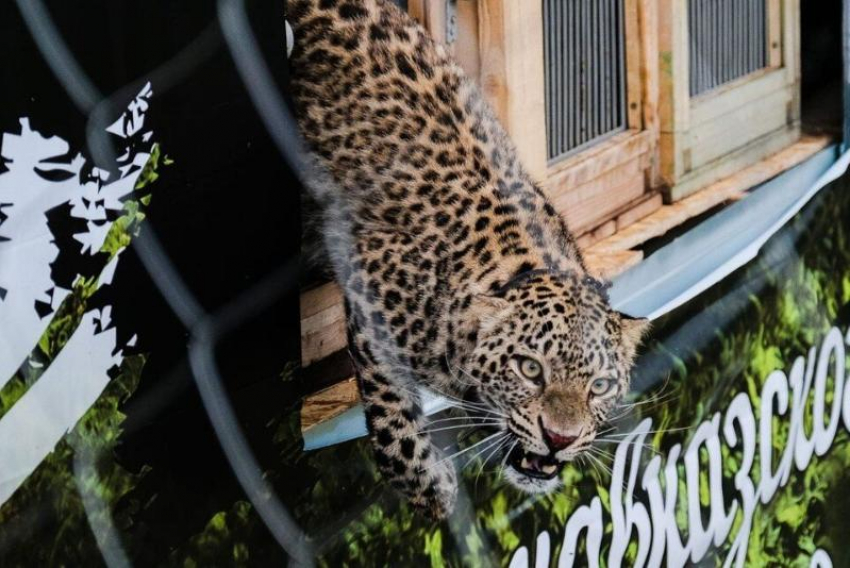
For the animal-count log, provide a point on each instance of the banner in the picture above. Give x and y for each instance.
(150, 404)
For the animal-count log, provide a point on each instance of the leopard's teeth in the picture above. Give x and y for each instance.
(525, 464)
(550, 468)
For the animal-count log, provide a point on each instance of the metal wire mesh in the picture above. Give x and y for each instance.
(205, 329)
(728, 40)
(584, 51)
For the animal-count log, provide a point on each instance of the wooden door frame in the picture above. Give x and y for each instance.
(682, 115)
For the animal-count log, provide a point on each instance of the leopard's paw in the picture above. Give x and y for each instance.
(438, 492)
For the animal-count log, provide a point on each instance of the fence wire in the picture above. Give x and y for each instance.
(205, 329)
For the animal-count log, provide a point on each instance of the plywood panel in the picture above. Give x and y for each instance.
(730, 97)
(322, 323)
(640, 210)
(328, 403)
(585, 206)
(598, 160)
(723, 135)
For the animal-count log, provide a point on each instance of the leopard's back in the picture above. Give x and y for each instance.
(405, 134)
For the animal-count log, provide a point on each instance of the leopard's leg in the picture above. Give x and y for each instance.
(405, 454)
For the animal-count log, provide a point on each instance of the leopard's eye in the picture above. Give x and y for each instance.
(601, 387)
(531, 369)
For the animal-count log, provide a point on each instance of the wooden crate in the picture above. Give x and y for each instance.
(709, 137)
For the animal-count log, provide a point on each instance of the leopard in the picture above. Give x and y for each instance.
(458, 274)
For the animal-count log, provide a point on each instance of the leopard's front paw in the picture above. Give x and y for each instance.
(438, 491)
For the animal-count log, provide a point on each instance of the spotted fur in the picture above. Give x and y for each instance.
(455, 266)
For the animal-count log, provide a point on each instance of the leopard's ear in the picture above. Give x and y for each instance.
(490, 311)
(633, 330)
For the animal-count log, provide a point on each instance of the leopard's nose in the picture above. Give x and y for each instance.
(557, 441)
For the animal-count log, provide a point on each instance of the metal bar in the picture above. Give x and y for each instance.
(585, 83)
(728, 40)
(567, 56)
(692, 79)
(554, 74)
(547, 61)
(595, 106)
(754, 47)
(621, 66)
(564, 62)
(607, 62)
(575, 72)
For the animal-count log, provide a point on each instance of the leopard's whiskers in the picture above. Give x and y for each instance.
(507, 455)
(598, 474)
(465, 404)
(474, 409)
(660, 396)
(470, 419)
(595, 460)
(454, 402)
(595, 454)
(502, 435)
(631, 443)
(457, 427)
(626, 434)
(463, 451)
(501, 445)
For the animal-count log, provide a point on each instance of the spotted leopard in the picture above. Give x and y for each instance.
(458, 273)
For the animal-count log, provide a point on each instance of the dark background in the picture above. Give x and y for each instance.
(822, 65)
(226, 212)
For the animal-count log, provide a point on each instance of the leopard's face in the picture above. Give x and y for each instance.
(552, 361)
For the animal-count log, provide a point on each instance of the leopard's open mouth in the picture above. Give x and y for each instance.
(535, 465)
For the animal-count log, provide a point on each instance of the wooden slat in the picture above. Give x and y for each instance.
(791, 49)
(598, 160)
(731, 188)
(733, 162)
(634, 71)
(322, 323)
(728, 98)
(674, 96)
(711, 140)
(431, 15)
(512, 76)
(774, 33)
(650, 83)
(328, 403)
(465, 47)
(603, 231)
(643, 208)
(608, 264)
(630, 213)
(585, 206)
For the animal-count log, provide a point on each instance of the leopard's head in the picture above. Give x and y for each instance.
(552, 360)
